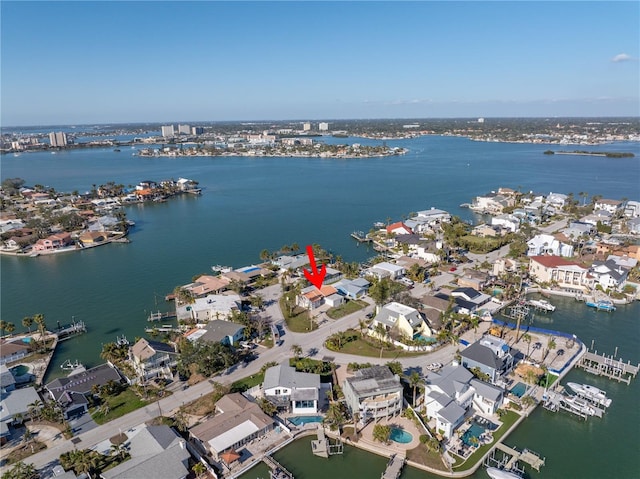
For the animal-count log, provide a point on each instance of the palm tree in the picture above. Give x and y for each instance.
(296, 349)
(526, 337)
(414, 382)
(42, 326)
(551, 344)
(362, 326)
(120, 450)
(27, 322)
(34, 409)
(10, 328)
(474, 322)
(432, 445)
(3, 325)
(335, 416)
(21, 470)
(381, 433)
(198, 469)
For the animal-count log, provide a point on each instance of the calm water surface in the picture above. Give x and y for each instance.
(249, 204)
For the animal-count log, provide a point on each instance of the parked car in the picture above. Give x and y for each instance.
(453, 268)
(434, 366)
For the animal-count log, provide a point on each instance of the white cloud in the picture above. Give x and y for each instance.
(622, 57)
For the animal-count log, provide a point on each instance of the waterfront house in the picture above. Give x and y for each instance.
(236, 422)
(469, 300)
(400, 321)
(569, 275)
(374, 393)
(398, 228)
(89, 238)
(451, 393)
(634, 225)
(69, 391)
(609, 274)
(156, 452)
(207, 284)
(287, 262)
(332, 275)
(352, 288)
(217, 331)
(53, 242)
(153, 359)
(14, 404)
(492, 203)
(212, 306)
(290, 390)
(429, 219)
(491, 355)
(13, 350)
(544, 244)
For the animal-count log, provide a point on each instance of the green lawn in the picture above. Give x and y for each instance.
(346, 308)
(297, 318)
(507, 421)
(247, 383)
(119, 405)
(362, 347)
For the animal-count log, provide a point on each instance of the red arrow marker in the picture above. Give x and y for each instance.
(315, 276)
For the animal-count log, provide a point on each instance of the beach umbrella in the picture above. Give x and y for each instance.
(229, 456)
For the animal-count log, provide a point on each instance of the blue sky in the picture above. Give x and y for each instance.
(105, 62)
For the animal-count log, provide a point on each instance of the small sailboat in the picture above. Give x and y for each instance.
(69, 366)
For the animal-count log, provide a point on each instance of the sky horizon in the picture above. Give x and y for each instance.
(153, 62)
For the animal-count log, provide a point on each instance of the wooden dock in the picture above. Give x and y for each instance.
(67, 332)
(526, 456)
(361, 237)
(276, 470)
(322, 446)
(608, 366)
(158, 316)
(557, 400)
(394, 467)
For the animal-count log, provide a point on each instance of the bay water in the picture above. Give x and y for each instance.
(249, 204)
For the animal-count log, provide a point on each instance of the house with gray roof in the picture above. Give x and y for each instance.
(153, 359)
(491, 355)
(400, 321)
(453, 393)
(352, 288)
(373, 393)
(294, 391)
(15, 404)
(217, 331)
(156, 452)
(7, 381)
(65, 390)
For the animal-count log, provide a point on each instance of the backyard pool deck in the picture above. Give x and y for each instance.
(392, 447)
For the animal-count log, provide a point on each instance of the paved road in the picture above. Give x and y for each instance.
(312, 344)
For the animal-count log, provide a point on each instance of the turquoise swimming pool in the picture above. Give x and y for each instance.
(400, 436)
(475, 431)
(301, 420)
(519, 389)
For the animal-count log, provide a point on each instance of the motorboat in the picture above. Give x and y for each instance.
(591, 392)
(602, 305)
(542, 304)
(495, 473)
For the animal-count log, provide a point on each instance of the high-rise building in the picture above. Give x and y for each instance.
(168, 131)
(57, 138)
(197, 130)
(306, 126)
(184, 130)
(323, 126)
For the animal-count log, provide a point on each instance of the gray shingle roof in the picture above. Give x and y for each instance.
(483, 355)
(287, 376)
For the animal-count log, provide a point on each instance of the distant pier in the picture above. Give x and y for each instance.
(75, 328)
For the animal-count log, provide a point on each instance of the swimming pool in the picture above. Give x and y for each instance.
(302, 420)
(19, 370)
(475, 431)
(519, 389)
(400, 436)
(424, 339)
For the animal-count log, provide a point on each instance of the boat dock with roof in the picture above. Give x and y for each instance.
(581, 407)
(511, 457)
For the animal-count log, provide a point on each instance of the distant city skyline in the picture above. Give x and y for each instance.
(178, 62)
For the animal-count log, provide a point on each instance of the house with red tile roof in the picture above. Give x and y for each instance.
(53, 242)
(568, 275)
(312, 297)
(399, 228)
